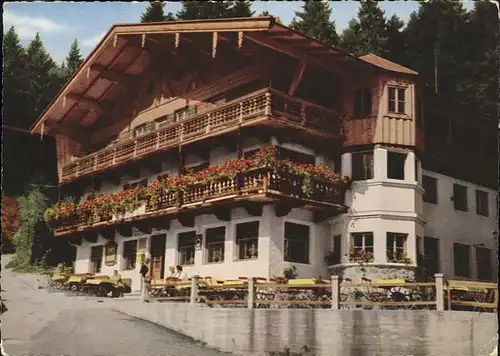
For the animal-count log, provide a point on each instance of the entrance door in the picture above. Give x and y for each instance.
(158, 246)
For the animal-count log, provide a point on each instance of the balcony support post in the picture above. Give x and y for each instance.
(268, 104)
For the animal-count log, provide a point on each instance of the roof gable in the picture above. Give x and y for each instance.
(387, 64)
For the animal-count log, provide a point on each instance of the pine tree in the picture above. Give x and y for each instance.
(314, 21)
(367, 34)
(154, 12)
(43, 77)
(16, 108)
(192, 10)
(395, 46)
(277, 18)
(241, 9)
(73, 61)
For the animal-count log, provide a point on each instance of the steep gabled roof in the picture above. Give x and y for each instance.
(387, 64)
(112, 68)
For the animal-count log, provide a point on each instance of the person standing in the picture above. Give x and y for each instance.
(144, 280)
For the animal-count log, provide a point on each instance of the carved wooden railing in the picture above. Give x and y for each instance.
(258, 181)
(260, 105)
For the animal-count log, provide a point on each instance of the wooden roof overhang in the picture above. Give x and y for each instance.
(110, 75)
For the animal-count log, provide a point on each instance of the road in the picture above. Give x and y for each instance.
(46, 324)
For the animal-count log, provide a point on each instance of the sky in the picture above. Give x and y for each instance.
(59, 23)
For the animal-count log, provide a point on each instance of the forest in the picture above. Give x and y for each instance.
(453, 50)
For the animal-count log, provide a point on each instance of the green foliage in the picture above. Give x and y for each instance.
(241, 9)
(72, 62)
(314, 21)
(31, 208)
(290, 272)
(155, 13)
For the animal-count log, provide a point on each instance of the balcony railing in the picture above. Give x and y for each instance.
(265, 104)
(264, 182)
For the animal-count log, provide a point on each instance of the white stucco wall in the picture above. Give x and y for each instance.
(450, 225)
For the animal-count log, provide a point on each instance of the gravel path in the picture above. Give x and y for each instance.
(46, 324)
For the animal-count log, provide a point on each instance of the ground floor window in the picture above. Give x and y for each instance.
(96, 253)
(215, 240)
(461, 257)
(129, 254)
(186, 247)
(483, 261)
(396, 247)
(247, 239)
(296, 243)
(361, 247)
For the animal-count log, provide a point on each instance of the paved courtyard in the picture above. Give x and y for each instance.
(46, 324)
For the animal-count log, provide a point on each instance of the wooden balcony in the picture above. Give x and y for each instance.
(261, 186)
(266, 106)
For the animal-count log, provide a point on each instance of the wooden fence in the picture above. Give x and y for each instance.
(330, 294)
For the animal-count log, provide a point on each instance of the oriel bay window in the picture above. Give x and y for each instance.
(129, 254)
(296, 243)
(361, 247)
(362, 165)
(215, 239)
(397, 102)
(96, 254)
(247, 239)
(396, 247)
(396, 165)
(186, 247)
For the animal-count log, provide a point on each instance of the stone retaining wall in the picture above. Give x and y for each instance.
(327, 332)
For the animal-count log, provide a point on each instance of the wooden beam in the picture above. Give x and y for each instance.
(125, 230)
(214, 44)
(297, 79)
(282, 209)
(89, 103)
(113, 75)
(186, 219)
(222, 213)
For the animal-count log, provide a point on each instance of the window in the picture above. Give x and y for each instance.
(395, 247)
(129, 254)
(396, 165)
(362, 102)
(141, 183)
(431, 256)
(144, 129)
(247, 239)
(295, 156)
(397, 100)
(186, 243)
(296, 243)
(197, 168)
(334, 258)
(460, 197)
(96, 253)
(362, 246)
(165, 120)
(430, 187)
(461, 257)
(362, 165)
(483, 261)
(481, 203)
(185, 112)
(215, 239)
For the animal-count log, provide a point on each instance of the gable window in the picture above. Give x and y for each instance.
(362, 102)
(144, 129)
(396, 247)
(397, 102)
(215, 239)
(186, 112)
(186, 247)
(296, 243)
(247, 239)
(396, 165)
(430, 187)
(461, 258)
(295, 156)
(362, 165)
(96, 254)
(361, 246)
(483, 260)
(481, 203)
(129, 254)
(460, 197)
(141, 183)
